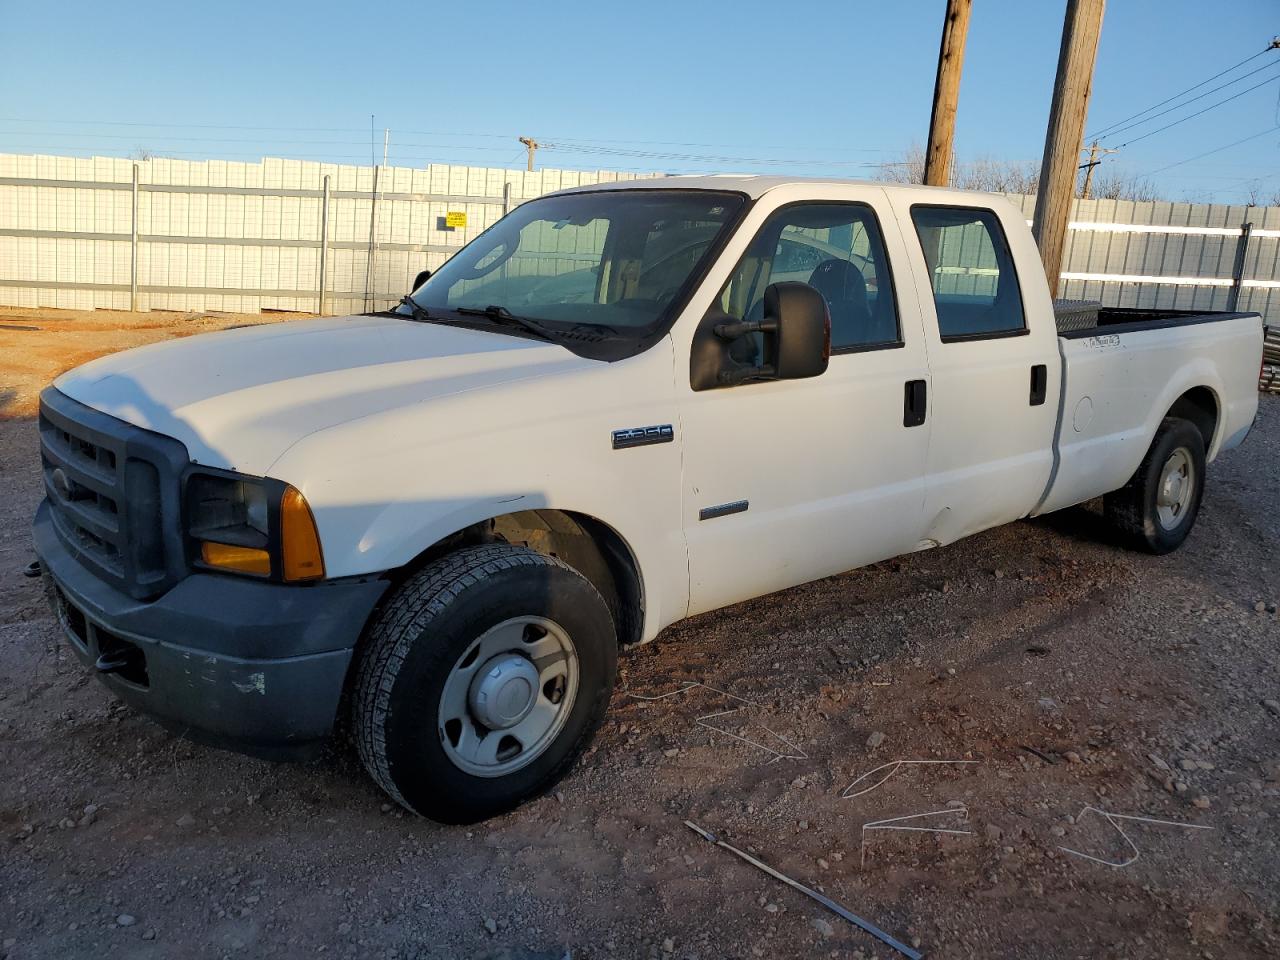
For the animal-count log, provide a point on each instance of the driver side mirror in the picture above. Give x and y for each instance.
(796, 334)
(422, 277)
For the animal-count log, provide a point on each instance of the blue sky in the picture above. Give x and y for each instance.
(801, 87)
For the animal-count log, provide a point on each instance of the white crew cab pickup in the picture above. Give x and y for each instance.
(619, 406)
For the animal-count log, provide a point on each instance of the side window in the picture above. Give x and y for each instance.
(975, 285)
(835, 248)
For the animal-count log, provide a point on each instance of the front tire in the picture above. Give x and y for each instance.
(483, 679)
(1157, 508)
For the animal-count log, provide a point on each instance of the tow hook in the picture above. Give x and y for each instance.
(32, 569)
(115, 661)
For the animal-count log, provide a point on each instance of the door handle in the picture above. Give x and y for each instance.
(915, 403)
(1039, 384)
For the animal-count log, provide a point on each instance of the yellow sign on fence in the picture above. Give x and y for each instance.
(455, 218)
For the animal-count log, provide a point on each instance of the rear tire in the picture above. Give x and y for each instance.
(482, 681)
(1157, 508)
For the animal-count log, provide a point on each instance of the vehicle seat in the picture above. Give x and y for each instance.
(845, 290)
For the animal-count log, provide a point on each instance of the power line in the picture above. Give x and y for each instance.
(159, 144)
(239, 126)
(1105, 130)
(726, 146)
(349, 158)
(1209, 153)
(1120, 129)
(168, 139)
(424, 133)
(162, 154)
(661, 155)
(1192, 116)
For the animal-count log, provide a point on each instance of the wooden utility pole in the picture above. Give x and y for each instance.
(946, 94)
(1061, 163)
(1089, 166)
(531, 145)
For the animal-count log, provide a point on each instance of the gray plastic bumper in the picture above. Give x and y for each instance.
(251, 666)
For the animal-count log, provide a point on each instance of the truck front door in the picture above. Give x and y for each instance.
(788, 481)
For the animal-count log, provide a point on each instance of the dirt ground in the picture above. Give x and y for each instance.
(1073, 673)
(38, 344)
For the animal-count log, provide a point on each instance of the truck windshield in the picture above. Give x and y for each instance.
(600, 272)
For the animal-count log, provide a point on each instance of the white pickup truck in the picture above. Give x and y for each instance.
(619, 406)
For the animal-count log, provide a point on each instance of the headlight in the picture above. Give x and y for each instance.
(255, 526)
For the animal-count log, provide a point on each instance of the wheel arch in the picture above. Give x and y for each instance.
(1200, 405)
(588, 544)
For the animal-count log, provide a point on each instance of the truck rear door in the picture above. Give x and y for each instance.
(993, 359)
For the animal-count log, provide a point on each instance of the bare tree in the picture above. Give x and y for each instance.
(990, 175)
(1257, 198)
(1117, 186)
(985, 173)
(142, 153)
(909, 168)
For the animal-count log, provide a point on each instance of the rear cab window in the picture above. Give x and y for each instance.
(975, 284)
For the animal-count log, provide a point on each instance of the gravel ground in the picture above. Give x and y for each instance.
(1072, 672)
(38, 343)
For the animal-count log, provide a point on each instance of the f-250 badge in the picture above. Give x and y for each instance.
(642, 436)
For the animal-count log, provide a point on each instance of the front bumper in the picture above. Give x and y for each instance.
(252, 666)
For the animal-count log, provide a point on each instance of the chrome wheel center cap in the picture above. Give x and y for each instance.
(503, 691)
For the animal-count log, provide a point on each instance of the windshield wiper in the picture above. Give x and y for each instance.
(503, 315)
(416, 310)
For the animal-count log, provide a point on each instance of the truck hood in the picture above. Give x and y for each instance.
(239, 398)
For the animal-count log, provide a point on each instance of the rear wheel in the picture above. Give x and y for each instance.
(1157, 508)
(483, 679)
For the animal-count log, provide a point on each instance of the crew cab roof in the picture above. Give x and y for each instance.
(757, 186)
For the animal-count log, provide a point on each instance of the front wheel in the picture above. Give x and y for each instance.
(483, 679)
(1157, 508)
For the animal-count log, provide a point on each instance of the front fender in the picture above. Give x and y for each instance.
(386, 488)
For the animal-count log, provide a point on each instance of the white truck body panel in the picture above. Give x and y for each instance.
(990, 457)
(239, 398)
(410, 476)
(401, 433)
(1118, 387)
(797, 450)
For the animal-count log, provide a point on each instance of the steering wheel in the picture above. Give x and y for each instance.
(491, 260)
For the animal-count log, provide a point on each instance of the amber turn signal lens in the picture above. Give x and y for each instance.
(299, 541)
(240, 559)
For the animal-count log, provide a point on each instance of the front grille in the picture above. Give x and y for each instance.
(113, 492)
(83, 482)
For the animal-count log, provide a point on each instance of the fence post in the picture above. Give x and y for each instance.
(373, 242)
(133, 247)
(1237, 271)
(506, 198)
(324, 240)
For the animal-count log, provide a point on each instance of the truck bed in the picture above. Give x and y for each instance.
(1132, 319)
(1121, 377)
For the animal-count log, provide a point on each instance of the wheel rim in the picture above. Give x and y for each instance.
(1176, 489)
(508, 696)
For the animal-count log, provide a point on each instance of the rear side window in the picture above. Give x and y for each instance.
(975, 286)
